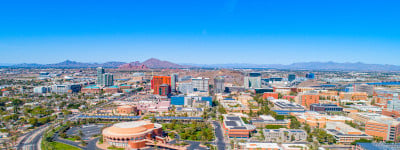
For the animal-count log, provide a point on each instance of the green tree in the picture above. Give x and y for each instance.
(262, 135)
(171, 135)
(292, 138)
(80, 133)
(83, 143)
(153, 119)
(361, 141)
(33, 121)
(294, 123)
(280, 95)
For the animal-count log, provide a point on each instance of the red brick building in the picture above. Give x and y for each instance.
(307, 99)
(157, 81)
(270, 94)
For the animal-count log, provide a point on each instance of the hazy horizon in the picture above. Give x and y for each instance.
(183, 63)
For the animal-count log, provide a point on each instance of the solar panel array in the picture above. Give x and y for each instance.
(233, 118)
(231, 123)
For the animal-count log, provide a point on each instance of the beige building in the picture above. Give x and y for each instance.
(345, 134)
(284, 135)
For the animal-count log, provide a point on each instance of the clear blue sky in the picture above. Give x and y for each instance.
(200, 31)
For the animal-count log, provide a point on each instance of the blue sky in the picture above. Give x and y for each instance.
(204, 32)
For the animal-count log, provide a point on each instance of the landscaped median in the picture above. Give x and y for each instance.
(47, 142)
(62, 146)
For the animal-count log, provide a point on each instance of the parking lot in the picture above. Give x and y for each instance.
(87, 130)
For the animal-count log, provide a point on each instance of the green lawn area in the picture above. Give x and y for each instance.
(62, 146)
(114, 148)
(71, 139)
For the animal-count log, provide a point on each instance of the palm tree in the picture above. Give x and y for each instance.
(83, 143)
(14, 139)
(80, 133)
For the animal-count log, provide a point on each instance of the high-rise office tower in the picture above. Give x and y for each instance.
(104, 79)
(200, 84)
(108, 80)
(164, 90)
(174, 79)
(219, 84)
(157, 81)
(185, 88)
(100, 72)
(252, 80)
(291, 77)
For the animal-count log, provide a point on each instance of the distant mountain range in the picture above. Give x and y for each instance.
(150, 63)
(69, 64)
(333, 66)
(160, 64)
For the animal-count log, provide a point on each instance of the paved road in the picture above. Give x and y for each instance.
(220, 136)
(61, 140)
(92, 144)
(88, 132)
(195, 145)
(32, 140)
(25, 138)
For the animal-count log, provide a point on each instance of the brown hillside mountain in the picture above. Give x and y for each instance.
(152, 63)
(133, 66)
(156, 63)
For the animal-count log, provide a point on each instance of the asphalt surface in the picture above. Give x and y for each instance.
(92, 144)
(220, 136)
(26, 136)
(195, 145)
(32, 139)
(88, 132)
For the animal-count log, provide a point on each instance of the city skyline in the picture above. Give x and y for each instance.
(207, 32)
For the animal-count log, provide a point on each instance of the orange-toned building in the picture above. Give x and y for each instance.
(318, 120)
(391, 113)
(345, 134)
(350, 110)
(386, 128)
(234, 127)
(382, 96)
(126, 109)
(91, 89)
(157, 81)
(274, 95)
(353, 96)
(307, 99)
(329, 95)
(132, 135)
(111, 89)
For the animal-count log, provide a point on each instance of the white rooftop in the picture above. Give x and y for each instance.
(132, 124)
(263, 145)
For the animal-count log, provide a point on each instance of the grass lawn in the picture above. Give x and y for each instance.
(114, 148)
(61, 146)
(71, 139)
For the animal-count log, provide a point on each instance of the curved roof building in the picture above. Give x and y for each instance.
(131, 134)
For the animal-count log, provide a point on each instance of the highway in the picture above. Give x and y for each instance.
(32, 140)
